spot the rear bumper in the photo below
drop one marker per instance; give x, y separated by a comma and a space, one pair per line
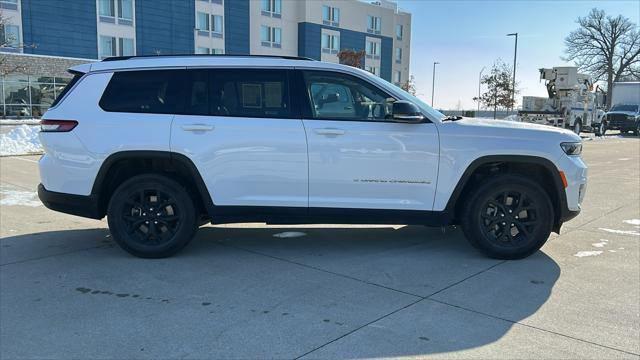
80, 205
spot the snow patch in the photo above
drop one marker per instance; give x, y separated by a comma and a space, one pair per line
19, 121
621, 232
10, 197
632, 222
600, 244
289, 234
587, 253
22, 140
512, 118
624, 159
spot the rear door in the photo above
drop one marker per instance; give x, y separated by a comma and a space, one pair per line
243, 134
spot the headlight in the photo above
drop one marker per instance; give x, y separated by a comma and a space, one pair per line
631, 117
572, 148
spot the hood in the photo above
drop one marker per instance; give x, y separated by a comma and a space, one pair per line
630, 113
515, 129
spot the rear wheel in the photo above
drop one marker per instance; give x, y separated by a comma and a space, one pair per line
508, 217
152, 216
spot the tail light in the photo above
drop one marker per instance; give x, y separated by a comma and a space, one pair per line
57, 125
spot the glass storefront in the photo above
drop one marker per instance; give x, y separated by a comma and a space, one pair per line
27, 95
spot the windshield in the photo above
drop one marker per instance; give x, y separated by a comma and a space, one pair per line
429, 111
632, 108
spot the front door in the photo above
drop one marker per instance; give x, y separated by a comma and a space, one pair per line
358, 156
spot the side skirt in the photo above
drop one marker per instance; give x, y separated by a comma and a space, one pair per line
297, 216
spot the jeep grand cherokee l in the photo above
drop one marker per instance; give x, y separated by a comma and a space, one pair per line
163, 144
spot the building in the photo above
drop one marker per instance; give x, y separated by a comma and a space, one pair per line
48, 36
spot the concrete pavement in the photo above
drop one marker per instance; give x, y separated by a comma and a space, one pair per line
337, 291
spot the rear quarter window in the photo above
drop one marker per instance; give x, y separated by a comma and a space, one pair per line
145, 91
66, 89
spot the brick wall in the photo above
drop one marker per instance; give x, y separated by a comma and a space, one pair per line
37, 65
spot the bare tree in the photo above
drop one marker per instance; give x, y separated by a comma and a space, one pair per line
7, 41
351, 57
499, 87
409, 85
606, 47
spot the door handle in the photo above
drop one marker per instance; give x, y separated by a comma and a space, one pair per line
329, 131
197, 127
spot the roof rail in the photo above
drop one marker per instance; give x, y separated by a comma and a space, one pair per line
116, 58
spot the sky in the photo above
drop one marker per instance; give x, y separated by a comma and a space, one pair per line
464, 36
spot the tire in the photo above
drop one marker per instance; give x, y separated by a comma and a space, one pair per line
483, 220
601, 129
577, 126
636, 132
137, 224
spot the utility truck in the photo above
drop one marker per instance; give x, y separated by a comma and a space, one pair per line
571, 103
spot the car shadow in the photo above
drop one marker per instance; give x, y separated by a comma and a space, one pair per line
454, 287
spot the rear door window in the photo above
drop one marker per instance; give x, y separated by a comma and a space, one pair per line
239, 93
145, 91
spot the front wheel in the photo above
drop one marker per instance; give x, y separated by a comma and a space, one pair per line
601, 129
508, 217
152, 216
636, 131
577, 126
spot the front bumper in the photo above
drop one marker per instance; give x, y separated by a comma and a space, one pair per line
80, 205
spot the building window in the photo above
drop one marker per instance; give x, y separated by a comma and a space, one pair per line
373, 69
11, 36
330, 43
271, 8
9, 4
107, 46
29, 95
271, 36
125, 12
126, 47
202, 50
202, 23
372, 49
216, 25
373, 24
398, 55
107, 11
330, 15
399, 31
217, 51
397, 77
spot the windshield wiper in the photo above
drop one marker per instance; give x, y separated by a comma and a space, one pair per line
452, 118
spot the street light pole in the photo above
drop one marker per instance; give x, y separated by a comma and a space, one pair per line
515, 55
433, 83
479, 81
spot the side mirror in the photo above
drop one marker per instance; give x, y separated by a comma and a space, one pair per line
406, 112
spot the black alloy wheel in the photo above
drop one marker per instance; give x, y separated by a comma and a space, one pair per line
507, 216
152, 216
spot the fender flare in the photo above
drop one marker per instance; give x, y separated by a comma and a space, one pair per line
172, 157
562, 209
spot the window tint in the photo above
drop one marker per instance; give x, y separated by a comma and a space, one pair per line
148, 91
240, 93
344, 97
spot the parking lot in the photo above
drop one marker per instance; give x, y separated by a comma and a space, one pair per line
324, 291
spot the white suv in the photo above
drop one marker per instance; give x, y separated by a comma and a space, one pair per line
163, 144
